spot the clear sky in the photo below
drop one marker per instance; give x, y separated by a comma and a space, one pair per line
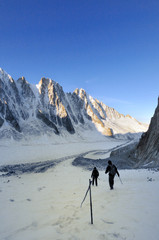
108, 47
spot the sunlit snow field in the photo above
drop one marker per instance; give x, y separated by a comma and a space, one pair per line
38, 206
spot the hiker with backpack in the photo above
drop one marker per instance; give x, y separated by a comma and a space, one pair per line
94, 176
112, 170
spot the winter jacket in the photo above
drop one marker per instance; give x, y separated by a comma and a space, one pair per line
95, 173
112, 169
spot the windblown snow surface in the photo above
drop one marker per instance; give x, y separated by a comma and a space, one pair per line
44, 203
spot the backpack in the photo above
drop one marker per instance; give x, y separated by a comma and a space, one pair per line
113, 170
95, 173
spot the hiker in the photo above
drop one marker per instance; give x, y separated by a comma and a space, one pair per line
94, 176
112, 169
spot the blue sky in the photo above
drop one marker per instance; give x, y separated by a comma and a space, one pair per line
108, 47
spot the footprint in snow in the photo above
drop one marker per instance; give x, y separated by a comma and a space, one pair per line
41, 188
108, 222
28, 199
150, 179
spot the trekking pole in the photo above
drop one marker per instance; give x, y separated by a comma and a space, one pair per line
120, 180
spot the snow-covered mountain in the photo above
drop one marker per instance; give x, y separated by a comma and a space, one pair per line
27, 110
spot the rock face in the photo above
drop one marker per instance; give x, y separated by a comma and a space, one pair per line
143, 153
46, 109
147, 151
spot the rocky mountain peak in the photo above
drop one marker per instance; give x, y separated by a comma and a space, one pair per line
1, 72
5, 76
25, 89
47, 109
43, 84
81, 93
76, 91
22, 79
128, 116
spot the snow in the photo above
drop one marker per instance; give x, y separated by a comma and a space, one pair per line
45, 148
38, 206
126, 125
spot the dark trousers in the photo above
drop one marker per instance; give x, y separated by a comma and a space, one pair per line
111, 181
94, 179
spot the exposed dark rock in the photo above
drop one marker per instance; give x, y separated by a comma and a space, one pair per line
11, 119
124, 156
72, 116
53, 119
148, 147
2, 108
50, 124
145, 153
1, 121
80, 118
66, 122
89, 164
59, 121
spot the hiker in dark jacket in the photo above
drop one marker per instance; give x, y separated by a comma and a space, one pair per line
112, 169
94, 176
